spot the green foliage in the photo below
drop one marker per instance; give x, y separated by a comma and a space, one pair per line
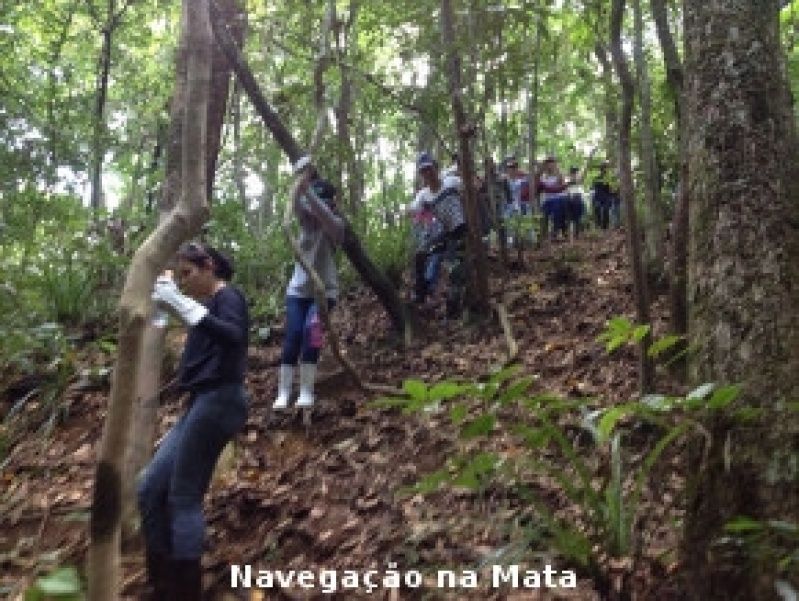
62, 584
605, 479
769, 542
620, 331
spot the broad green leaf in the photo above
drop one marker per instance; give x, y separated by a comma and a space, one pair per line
742, 525
640, 332
533, 437
416, 389
748, 414
458, 413
664, 344
609, 419
444, 391
504, 374
388, 402
480, 426
516, 390
428, 484
467, 479
723, 396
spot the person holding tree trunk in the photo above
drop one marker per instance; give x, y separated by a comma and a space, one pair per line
211, 370
321, 229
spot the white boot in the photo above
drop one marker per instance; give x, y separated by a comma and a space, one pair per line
285, 378
307, 380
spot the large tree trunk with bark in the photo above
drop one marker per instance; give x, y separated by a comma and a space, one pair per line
135, 308
645, 370
744, 288
351, 245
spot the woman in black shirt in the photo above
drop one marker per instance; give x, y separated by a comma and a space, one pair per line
211, 370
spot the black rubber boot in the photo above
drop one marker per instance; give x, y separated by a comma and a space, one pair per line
185, 580
157, 573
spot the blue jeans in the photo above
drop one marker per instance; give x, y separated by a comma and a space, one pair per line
173, 485
296, 341
602, 210
554, 209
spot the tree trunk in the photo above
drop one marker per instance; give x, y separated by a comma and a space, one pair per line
744, 297
678, 280
322, 61
232, 13
98, 135
475, 247
344, 113
148, 378
53, 128
645, 371
151, 354
611, 110
532, 109
238, 159
374, 278
135, 308
654, 232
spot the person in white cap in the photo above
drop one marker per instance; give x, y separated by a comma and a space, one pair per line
321, 229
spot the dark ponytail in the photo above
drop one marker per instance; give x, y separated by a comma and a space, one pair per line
201, 254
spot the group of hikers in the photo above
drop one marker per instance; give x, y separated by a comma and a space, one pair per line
212, 367
504, 199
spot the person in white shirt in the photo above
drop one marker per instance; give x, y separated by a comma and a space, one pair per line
574, 204
443, 197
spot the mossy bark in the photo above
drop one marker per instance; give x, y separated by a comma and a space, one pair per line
743, 285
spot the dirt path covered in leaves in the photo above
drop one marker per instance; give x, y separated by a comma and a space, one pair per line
336, 496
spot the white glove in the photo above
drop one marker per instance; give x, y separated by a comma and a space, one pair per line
189, 310
301, 164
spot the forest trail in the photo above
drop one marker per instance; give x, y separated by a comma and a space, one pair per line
328, 498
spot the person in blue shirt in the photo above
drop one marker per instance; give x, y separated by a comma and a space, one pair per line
211, 370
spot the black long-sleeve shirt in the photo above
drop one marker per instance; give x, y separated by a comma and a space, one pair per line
216, 348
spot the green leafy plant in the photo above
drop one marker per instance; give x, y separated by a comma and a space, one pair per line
605, 479
620, 331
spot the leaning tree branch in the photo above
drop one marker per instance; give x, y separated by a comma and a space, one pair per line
372, 79
351, 245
